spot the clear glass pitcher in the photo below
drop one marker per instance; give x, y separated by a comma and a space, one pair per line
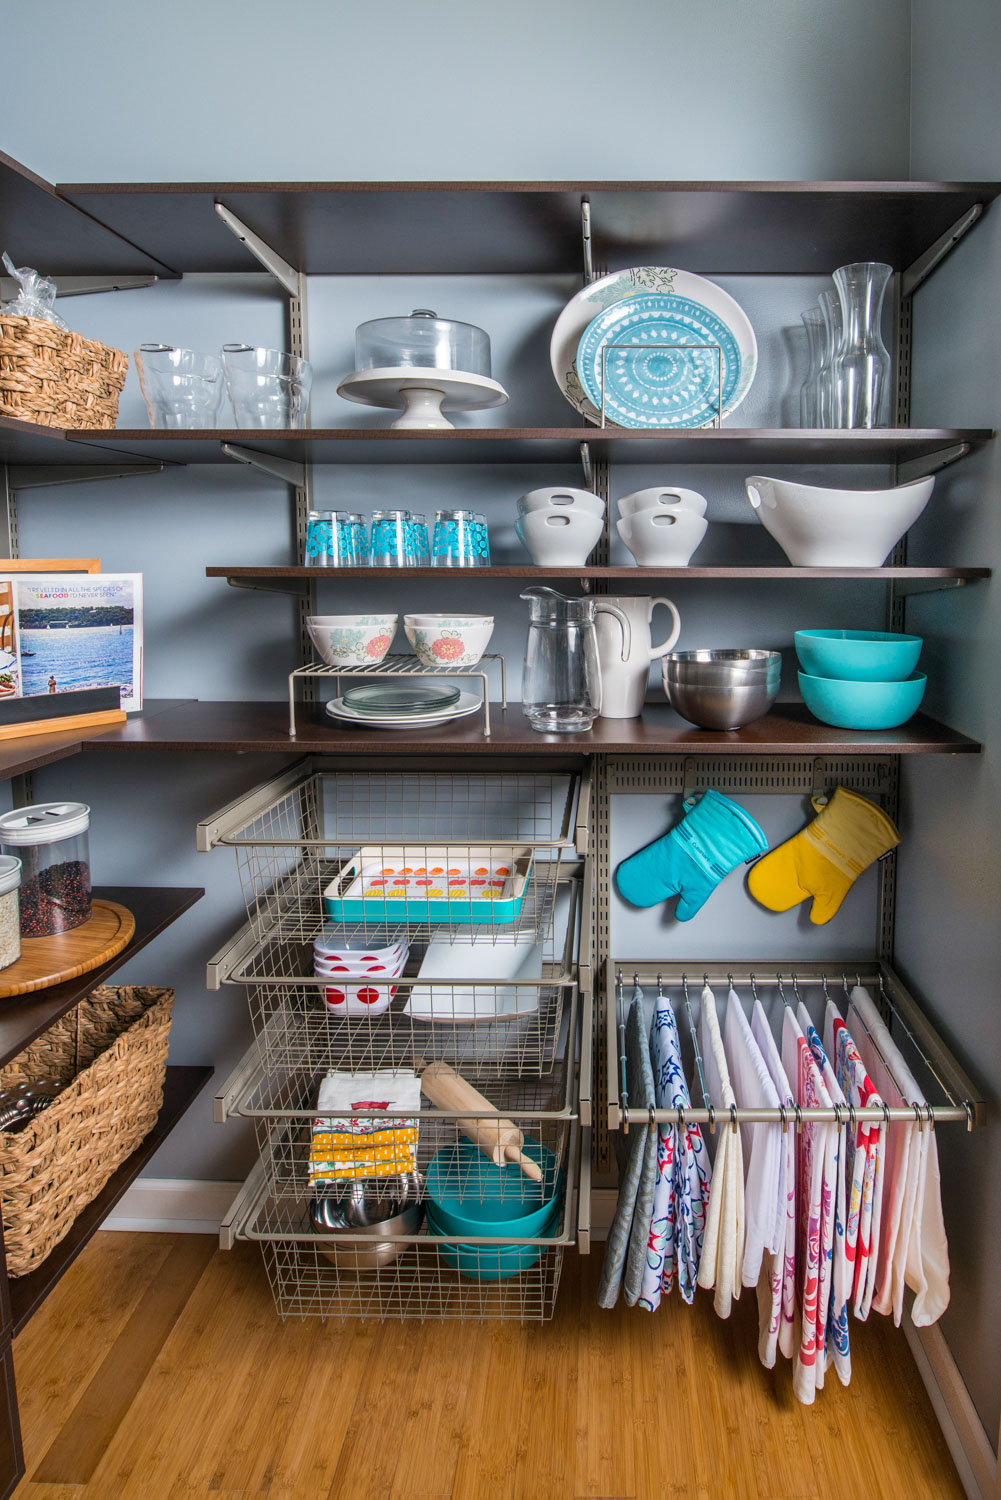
561, 686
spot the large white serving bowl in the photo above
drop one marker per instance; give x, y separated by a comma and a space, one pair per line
561, 499
559, 539
821, 528
352, 640
662, 497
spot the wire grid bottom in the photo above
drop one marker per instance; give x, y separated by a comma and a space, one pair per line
419, 1285
285, 1148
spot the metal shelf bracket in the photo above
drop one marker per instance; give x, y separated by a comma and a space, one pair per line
931, 463
269, 259
83, 286
285, 469
34, 476
921, 269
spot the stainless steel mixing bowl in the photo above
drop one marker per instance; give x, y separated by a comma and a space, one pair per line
721, 689
366, 1217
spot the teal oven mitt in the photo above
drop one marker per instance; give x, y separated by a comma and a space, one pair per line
691, 860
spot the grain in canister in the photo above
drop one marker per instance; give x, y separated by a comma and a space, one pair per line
51, 841
10, 928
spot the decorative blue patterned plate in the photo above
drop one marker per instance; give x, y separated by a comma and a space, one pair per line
691, 368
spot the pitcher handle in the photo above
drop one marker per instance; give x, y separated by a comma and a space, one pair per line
601, 608
665, 646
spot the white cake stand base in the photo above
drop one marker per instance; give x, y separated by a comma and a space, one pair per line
423, 395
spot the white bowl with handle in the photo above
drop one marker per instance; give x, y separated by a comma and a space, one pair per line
564, 499
559, 539
822, 528
662, 497
663, 538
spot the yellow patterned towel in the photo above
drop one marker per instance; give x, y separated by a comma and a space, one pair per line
346, 1144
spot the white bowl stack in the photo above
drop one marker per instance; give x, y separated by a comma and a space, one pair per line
662, 527
360, 978
559, 527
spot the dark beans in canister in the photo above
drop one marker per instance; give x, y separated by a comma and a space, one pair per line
57, 899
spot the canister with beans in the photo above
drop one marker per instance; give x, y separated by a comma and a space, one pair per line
50, 839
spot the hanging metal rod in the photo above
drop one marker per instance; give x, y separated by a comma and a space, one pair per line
933, 257
285, 469
269, 259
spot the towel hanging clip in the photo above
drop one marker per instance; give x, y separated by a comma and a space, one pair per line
931, 1116
782, 1117
827, 993
681, 1117
969, 1115
917, 1115
851, 1119
795, 990
660, 986
733, 1118
886, 1116
799, 1119
837, 1116
754, 987
712, 1119
782, 993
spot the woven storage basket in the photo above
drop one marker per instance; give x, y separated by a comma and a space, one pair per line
111, 1053
52, 376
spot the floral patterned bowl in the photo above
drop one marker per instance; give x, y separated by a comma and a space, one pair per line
445, 641
352, 640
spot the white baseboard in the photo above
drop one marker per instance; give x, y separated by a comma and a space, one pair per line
957, 1416
175, 1205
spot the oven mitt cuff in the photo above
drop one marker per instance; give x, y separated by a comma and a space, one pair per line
825, 858
691, 860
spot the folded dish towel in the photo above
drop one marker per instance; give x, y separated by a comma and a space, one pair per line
345, 1145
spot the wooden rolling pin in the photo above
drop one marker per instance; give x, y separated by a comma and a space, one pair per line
498, 1138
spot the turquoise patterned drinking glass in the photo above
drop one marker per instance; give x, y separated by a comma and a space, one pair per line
420, 545
354, 529
460, 540
328, 540
392, 543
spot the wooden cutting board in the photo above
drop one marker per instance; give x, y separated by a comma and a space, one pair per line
50, 960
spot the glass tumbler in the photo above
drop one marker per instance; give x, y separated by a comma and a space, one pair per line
181, 387
481, 542
392, 541
453, 545
354, 536
330, 541
267, 388
421, 546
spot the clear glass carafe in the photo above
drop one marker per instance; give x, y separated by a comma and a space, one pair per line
561, 685
830, 311
809, 396
860, 374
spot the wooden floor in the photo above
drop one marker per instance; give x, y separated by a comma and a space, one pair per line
158, 1370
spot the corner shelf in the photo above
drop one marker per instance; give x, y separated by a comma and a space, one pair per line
538, 445
277, 578
263, 728
181, 1085
25, 1017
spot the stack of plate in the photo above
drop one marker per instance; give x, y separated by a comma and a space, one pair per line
652, 346
403, 705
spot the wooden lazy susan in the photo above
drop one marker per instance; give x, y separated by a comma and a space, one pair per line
50, 960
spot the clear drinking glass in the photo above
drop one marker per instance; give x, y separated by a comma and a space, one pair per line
454, 539
860, 372
354, 528
809, 396
830, 311
392, 543
181, 387
330, 540
267, 388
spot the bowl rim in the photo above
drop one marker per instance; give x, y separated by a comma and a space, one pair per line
328, 621
862, 682
470, 622
862, 637
722, 656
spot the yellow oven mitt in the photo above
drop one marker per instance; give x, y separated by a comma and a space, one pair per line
825, 858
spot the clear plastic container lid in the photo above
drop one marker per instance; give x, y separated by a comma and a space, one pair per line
10, 873
424, 341
44, 823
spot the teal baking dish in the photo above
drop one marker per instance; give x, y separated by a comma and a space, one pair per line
431, 883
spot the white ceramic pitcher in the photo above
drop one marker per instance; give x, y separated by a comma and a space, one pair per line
624, 678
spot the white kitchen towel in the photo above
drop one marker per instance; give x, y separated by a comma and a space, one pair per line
723, 1251
867, 1144
762, 1143
811, 1150
777, 1287
926, 1266
837, 1342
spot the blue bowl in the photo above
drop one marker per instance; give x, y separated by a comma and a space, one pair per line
492, 1262
862, 705
858, 655
469, 1195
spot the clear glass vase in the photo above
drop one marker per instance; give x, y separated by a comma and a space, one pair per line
809, 396
860, 374
830, 313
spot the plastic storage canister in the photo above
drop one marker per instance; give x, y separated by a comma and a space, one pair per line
50, 839
10, 931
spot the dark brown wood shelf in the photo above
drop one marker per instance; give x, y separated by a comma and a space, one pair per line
263, 727
181, 1086
24, 1017
414, 228
31, 443
298, 579
47, 231
538, 445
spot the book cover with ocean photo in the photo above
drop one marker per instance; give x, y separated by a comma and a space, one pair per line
81, 630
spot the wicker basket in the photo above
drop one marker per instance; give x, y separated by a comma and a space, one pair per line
111, 1053
56, 378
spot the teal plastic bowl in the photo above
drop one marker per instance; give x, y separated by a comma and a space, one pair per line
858, 655
862, 705
469, 1195
492, 1262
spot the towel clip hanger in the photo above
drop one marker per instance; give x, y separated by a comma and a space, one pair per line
969, 1115
931, 1116
778, 981
851, 1119
660, 986
799, 1119
782, 1117
886, 1116
754, 987
917, 1115
795, 990
712, 1119
733, 1118
837, 1116
681, 1116
827, 993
